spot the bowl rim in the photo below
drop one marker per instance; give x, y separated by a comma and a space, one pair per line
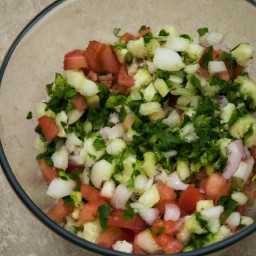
42, 216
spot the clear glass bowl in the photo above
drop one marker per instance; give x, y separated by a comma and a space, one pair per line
37, 54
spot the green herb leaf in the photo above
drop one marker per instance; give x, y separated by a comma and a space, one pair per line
229, 205
99, 144
119, 46
69, 176
115, 100
202, 31
147, 37
128, 58
128, 214
116, 31
163, 33
29, 115
73, 230
160, 231
68, 200
104, 211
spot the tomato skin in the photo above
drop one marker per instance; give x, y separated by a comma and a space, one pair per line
166, 227
79, 102
89, 211
110, 236
189, 199
217, 186
60, 211
169, 244
116, 219
123, 79
144, 31
167, 195
49, 173
49, 127
126, 37
75, 60
101, 58
90, 193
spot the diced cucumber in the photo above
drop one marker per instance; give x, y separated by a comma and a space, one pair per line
93, 101
161, 87
142, 78
251, 140
172, 119
92, 231
204, 204
194, 226
149, 164
60, 119
239, 197
176, 79
149, 92
177, 44
40, 111
246, 221
150, 197
137, 48
183, 169
242, 53
74, 115
223, 145
241, 126
151, 46
149, 108
191, 68
87, 126
116, 146
187, 133
120, 54
226, 112
195, 51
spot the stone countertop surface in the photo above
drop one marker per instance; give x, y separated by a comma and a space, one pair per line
21, 233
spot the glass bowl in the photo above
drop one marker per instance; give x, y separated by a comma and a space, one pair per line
37, 53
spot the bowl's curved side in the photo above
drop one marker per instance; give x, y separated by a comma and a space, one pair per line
26, 193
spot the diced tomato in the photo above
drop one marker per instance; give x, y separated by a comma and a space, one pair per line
90, 193
60, 211
237, 71
123, 79
166, 227
72, 168
75, 60
169, 244
137, 250
91, 54
250, 191
107, 60
189, 199
118, 89
89, 211
215, 56
110, 236
116, 219
241, 209
144, 31
49, 127
253, 152
79, 102
92, 75
126, 37
217, 186
224, 75
101, 58
167, 195
49, 173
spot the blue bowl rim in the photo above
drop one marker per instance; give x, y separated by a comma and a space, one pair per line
44, 218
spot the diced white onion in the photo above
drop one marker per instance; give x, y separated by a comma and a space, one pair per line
101, 171
172, 212
170, 153
167, 59
239, 197
123, 246
147, 243
149, 215
60, 158
108, 189
111, 133
113, 118
233, 220
245, 169
216, 66
59, 188
213, 212
72, 141
120, 197
74, 115
174, 181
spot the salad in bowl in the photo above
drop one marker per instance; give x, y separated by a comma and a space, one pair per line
148, 144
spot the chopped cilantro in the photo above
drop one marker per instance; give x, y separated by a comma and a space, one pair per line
147, 37
160, 231
116, 31
73, 230
29, 115
119, 46
99, 143
128, 58
187, 37
202, 31
229, 206
115, 100
163, 33
69, 176
128, 214
68, 200
104, 211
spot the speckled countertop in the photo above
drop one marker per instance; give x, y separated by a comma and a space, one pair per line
21, 233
